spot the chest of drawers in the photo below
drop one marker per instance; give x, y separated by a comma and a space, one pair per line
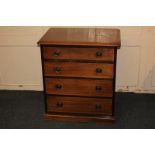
79, 66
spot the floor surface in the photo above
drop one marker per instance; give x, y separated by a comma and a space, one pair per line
24, 110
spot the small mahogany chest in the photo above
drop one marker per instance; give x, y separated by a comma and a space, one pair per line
79, 66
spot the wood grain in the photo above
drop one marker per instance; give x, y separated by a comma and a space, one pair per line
79, 118
79, 53
79, 87
81, 37
77, 69
79, 105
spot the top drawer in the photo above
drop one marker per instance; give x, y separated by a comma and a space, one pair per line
79, 53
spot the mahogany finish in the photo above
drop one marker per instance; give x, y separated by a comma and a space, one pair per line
80, 53
79, 118
79, 69
79, 105
79, 87
76, 69
82, 37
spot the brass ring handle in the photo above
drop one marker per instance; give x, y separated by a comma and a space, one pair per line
98, 54
98, 88
98, 70
57, 69
58, 86
56, 53
59, 104
98, 106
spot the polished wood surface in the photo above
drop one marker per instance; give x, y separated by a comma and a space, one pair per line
79, 87
81, 36
79, 69
79, 53
79, 118
76, 69
79, 105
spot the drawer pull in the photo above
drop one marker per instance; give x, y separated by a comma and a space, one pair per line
98, 70
59, 104
56, 53
98, 54
57, 69
58, 86
98, 88
98, 106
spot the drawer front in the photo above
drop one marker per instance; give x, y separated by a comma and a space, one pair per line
79, 87
76, 69
80, 53
79, 105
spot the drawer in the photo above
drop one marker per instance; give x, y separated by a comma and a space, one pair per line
77, 69
79, 87
79, 105
80, 53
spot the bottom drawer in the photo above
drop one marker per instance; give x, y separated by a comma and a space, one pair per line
79, 105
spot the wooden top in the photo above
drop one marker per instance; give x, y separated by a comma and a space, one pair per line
82, 37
